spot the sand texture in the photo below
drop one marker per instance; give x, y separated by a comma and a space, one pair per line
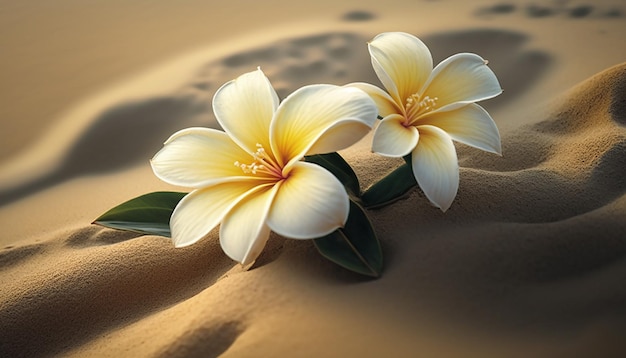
529, 261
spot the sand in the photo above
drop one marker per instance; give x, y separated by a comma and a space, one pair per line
529, 261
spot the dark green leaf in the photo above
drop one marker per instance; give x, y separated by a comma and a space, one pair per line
407, 159
354, 247
390, 188
334, 163
146, 214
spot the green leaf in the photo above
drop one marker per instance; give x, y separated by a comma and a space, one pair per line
408, 159
146, 214
354, 247
334, 163
390, 188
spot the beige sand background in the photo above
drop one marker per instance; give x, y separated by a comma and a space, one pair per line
528, 262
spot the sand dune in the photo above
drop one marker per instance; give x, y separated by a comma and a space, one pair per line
529, 261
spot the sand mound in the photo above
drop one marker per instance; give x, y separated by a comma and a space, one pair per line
530, 256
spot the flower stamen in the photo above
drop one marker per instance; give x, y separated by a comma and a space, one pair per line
262, 164
416, 106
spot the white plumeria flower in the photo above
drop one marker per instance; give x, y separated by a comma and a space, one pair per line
251, 177
424, 109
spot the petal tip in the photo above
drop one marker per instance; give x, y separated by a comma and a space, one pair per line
178, 244
247, 265
445, 207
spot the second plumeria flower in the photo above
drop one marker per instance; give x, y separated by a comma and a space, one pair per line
251, 177
424, 109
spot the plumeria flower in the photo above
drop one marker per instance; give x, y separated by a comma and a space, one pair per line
251, 177
424, 109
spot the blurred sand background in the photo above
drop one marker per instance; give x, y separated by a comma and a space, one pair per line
528, 262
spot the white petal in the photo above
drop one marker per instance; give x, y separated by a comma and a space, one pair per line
201, 210
307, 114
244, 231
310, 203
197, 157
339, 136
436, 167
462, 78
470, 124
244, 107
393, 139
385, 104
402, 62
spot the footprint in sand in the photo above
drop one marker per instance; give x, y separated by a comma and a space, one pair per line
130, 133
358, 15
205, 339
551, 9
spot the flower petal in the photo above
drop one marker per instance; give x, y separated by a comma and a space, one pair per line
244, 107
436, 167
339, 136
402, 62
201, 210
460, 79
311, 203
393, 139
197, 157
244, 231
470, 124
386, 105
303, 117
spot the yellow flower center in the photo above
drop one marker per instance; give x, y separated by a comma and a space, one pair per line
262, 164
416, 106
